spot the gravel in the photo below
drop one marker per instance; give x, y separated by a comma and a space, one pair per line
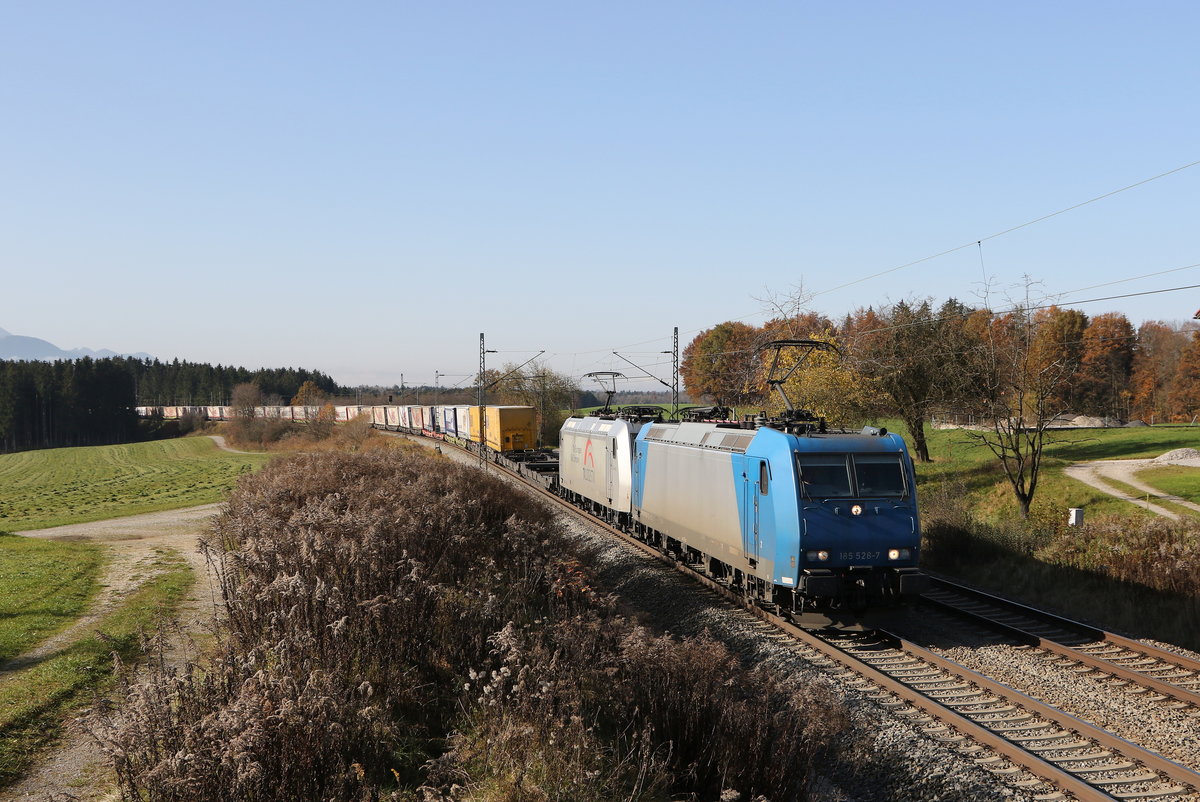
1178, 455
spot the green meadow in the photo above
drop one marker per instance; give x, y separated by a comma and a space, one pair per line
960, 464
1177, 480
40, 489
1111, 570
44, 586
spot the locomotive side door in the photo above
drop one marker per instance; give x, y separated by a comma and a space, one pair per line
610, 457
754, 487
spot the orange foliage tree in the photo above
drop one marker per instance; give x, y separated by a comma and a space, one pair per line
723, 364
1155, 365
1105, 366
1185, 394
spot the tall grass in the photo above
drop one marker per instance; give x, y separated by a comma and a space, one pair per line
402, 627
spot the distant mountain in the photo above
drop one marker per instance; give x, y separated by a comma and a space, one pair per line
17, 346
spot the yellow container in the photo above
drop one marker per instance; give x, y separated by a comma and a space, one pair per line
508, 428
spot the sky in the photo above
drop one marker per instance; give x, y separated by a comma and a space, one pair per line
363, 188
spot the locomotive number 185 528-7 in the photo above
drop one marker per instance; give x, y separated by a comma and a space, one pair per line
859, 555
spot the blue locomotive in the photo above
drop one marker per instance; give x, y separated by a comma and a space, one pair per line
816, 524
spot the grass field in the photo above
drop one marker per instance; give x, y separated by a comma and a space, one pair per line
1145, 498
39, 489
974, 472
1177, 480
1111, 571
44, 586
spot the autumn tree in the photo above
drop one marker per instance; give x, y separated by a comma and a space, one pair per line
799, 326
1155, 365
1058, 339
1185, 393
908, 351
825, 385
309, 395
245, 400
321, 426
1017, 393
1105, 366
722, 363
536, 385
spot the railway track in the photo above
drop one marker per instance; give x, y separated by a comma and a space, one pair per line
1066, 755
1027, 743
1168, 677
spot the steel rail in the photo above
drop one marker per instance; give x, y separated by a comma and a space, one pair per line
1075, 653
1152, 760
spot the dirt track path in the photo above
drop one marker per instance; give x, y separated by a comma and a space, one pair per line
1125, 470
77, 767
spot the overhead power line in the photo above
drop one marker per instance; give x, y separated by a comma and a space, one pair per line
979, 241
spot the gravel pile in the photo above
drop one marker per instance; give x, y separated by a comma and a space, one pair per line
886, 756
1178, 455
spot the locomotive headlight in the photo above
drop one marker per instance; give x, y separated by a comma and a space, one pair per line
816, 556
856, 509
899, 554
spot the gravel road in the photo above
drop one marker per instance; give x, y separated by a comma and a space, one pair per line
1125, 470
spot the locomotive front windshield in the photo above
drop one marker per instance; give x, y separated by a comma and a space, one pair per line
851, 476
879, 475
825, 475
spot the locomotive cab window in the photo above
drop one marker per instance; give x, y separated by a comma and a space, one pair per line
824, 475
764, 478
879, 475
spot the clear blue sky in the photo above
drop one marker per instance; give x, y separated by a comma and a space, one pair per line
363, 187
